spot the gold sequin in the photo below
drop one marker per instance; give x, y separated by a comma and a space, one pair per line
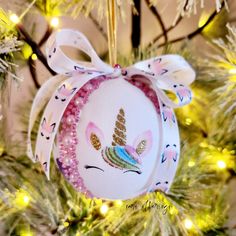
95, 141
141, 147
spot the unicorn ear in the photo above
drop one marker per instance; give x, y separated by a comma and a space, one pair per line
94, 136
143, 143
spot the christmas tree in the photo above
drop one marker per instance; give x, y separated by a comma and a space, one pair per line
199, 201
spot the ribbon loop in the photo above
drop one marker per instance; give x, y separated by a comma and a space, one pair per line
62, 64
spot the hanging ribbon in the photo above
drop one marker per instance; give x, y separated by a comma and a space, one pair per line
165, 73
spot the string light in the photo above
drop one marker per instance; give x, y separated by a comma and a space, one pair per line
104, 209
25, 232
221, 164
14, 18
188, 224
188, 121
34, 57
54, 22
232, 71
118, 203
66, 224
191, 163
22, 199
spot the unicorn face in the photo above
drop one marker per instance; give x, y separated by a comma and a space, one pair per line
118, 139
119, 155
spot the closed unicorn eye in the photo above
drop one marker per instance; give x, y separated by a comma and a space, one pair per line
93, 167
135, 171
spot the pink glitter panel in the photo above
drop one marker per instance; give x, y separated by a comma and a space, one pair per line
67, 160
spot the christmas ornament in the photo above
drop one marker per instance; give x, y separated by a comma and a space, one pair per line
112, 131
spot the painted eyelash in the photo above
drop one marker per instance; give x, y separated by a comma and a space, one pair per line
95, 167
136, 171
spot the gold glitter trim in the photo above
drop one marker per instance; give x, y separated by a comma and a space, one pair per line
120, 118
95, 141
119, 135
118, 140
120, 126
141, 147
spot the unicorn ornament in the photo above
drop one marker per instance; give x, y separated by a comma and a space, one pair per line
112, 130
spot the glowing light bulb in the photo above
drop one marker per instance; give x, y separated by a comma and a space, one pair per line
22, 199
66, 224
26, 233
54, 22
104, 209
26, 199
188, 224
14, 18
191, 163
221, 164
188, 121
34, 57
232, 71
118, 203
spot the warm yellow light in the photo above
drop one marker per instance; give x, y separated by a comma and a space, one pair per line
173, 210
26, 199
188, 224
203, 144
232, 71
191, 163
66, 224
26, 233
188, 121
22, 199
221, 164
54, 22
34, 57
14, 18
118, 203
104, 209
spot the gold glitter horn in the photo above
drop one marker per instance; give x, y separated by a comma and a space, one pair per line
119, 135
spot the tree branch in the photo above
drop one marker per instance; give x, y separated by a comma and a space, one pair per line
198, 30
46, 36
96, 23
32, 68
159, 18
167, 31
136, 26
34, 47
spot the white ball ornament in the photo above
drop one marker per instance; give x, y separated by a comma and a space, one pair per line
113, 132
